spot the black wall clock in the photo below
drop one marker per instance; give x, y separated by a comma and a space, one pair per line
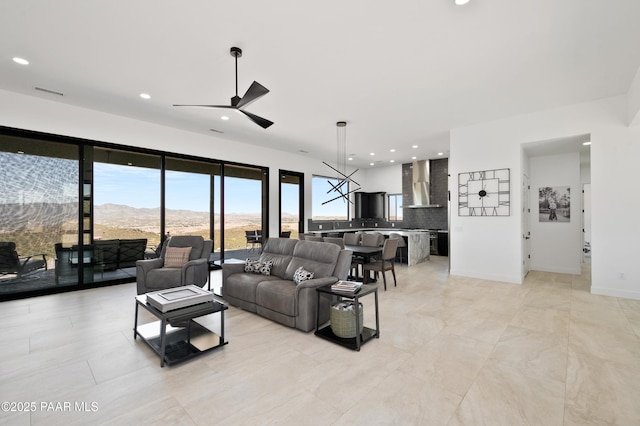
485, 193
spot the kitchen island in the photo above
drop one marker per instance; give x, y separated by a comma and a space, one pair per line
418, 242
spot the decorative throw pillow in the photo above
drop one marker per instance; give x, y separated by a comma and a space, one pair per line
250, 265
302, 274
176, 257
258, 267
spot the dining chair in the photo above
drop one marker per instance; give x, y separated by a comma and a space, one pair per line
351, 239
386, 262
252, 239
372, 239
334, 240
401, 243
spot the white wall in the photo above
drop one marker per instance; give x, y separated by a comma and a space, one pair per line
633, 103
38, 114
488, 247
556, 246
387, 179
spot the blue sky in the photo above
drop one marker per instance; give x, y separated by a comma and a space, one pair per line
140, 187
337, 208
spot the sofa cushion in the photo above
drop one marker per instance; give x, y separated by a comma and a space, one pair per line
279, 251
301, 275
162, 278
316, 257
278, 295
243, 286
176, 257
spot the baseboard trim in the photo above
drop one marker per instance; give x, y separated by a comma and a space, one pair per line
624, 294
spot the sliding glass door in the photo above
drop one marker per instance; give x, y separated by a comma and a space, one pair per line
126, 211
76, 213
192, 199
39, 201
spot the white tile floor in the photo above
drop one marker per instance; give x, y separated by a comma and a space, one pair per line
452, 351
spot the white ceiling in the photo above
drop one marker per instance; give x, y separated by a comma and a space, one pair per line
400, 73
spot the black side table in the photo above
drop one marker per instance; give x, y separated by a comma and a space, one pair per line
360, 338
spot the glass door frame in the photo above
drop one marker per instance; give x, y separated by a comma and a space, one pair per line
300, 176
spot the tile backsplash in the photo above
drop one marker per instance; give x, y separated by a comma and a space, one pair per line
418, 218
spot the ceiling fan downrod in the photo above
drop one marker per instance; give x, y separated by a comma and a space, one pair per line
236, 52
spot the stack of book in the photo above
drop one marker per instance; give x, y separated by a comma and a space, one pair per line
178, 297
346, 287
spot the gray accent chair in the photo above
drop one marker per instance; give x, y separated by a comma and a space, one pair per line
152, 276
276, 296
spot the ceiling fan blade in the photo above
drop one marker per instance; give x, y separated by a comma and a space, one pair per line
208, 106
255, 91
262, 122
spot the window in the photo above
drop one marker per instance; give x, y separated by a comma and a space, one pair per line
291, 195
321, 192
73, 203
395, 207
244, 207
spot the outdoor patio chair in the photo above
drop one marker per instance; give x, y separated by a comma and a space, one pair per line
11, 263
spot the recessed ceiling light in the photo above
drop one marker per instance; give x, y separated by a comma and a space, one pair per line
224, 117
145, 96
372, 153
392, 161
371, 164
20, 61
413, 158
414, 146
461, 2
392, 150
586, 143
350, 158
441, 153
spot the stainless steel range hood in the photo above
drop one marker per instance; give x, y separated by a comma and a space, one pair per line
420, 186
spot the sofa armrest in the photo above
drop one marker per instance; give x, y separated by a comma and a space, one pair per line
229, 269
316, 282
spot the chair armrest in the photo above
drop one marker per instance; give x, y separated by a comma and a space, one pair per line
195, 272
149, 264
194, 262
27, 258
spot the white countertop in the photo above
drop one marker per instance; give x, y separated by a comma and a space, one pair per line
384, 231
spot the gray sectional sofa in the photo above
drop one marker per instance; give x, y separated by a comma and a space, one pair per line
277, 296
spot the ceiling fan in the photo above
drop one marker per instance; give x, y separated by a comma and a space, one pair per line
255, 91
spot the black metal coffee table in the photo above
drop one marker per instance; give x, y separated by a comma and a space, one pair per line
181, 334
